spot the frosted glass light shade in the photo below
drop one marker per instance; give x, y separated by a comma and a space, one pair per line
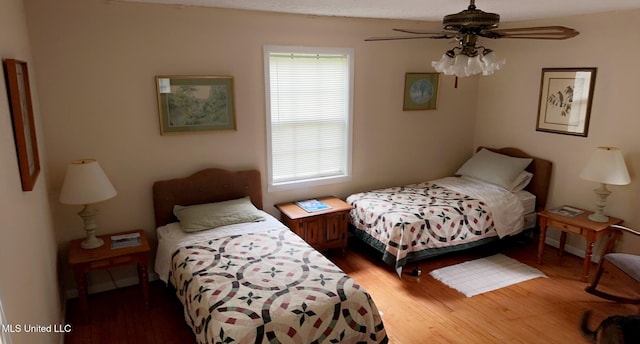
491, 63
606, 166
460, 65
443, 64
86, 183
475, 65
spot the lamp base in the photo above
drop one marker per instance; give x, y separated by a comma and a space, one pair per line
601, 201
91, 242
598, 217
88, 214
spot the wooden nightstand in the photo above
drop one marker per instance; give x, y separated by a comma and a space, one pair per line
578, 224
85, 260
324, 229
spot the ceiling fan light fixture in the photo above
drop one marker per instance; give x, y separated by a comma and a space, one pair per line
461, 64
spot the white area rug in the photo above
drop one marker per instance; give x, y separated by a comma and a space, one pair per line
485, 274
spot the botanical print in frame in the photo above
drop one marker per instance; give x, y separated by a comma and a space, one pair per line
24, 129
195, 103
420, 91
565, 100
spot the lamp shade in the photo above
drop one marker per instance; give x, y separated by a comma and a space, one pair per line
606, 166
86, 183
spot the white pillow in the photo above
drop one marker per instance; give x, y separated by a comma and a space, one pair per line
494, 168
521, 181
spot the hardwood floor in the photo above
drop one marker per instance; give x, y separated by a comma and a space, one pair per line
119, 316
415, 310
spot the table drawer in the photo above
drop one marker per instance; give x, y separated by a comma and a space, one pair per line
564, 227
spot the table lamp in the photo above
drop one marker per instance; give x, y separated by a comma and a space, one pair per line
606, 166
86, 184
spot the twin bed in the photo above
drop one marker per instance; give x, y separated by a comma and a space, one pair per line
251, 280
496, 194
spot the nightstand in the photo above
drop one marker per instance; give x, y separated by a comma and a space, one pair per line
578, 224
104, 257
323, 229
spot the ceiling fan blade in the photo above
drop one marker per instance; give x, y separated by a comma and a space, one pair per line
391, 38
439, 34
538, 32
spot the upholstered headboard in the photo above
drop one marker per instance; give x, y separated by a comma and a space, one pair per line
205, 186
541, 170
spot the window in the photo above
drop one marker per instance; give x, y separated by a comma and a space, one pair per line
309, 110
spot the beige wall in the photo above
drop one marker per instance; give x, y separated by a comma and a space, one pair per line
96, 63
28, 275
508, 105
96, 66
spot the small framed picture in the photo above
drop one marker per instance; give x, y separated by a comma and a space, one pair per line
565, 100
195, 103
420, 91
24, 126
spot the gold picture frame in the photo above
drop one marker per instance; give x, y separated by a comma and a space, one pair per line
420, 91
564, 106
24, 126
195, 103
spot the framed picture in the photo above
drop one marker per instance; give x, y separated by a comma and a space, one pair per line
565, 100
420, 91
24, 128
195, 103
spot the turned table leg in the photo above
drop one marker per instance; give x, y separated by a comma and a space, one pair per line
543, 233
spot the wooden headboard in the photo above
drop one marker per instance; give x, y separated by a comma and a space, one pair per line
205, 186
541, 170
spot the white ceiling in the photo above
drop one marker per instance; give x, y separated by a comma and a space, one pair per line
430, 10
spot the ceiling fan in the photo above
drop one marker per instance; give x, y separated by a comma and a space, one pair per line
465, 27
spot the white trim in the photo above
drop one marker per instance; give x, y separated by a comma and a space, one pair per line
110, 285
576, 251
350, 54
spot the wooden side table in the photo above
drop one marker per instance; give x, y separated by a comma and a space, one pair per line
324, 229
578, 224
85, 260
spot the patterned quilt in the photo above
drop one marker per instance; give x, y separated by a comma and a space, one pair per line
417, 220
270, 287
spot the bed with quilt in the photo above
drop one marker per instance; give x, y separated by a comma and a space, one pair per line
243, 277
495, 194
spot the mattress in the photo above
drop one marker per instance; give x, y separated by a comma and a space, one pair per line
528, 201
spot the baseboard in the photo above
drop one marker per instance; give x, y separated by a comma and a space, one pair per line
572, 249
110, 285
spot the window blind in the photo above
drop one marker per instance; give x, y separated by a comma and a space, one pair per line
309, 115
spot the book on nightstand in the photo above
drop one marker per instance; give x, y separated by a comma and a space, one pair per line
566, 210
125, 240
312, 205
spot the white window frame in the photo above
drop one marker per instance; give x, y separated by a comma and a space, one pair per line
304, 183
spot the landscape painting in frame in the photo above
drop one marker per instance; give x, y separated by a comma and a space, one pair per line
565, 100
195, 103
420, 91
24, 125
